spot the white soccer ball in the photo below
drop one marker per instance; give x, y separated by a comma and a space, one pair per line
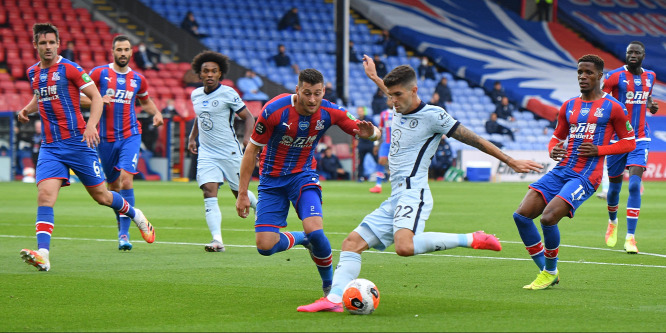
360, 297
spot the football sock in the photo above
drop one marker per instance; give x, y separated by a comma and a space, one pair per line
380, 172
121, 205
633, 203
613, 199
551, 238
214, 218
286, 242
604, 180
531, 238
322, 256
44, 227
438, 241
124, 221
349, 267
253, 199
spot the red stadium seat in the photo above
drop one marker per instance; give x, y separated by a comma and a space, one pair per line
342, 150
8, 87
23, 86
254, 107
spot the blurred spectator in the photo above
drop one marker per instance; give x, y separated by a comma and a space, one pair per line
390, 45
443, 90
364, 147
379, 101
250, 86
505, 110
426, 70
68, 53
330, 94
353, 54
191, 25
290, 20
145, 58
441, 161
492, 127
497, 93
149, 132
191, 79
380, 66
542, 10
330, 167
169, 110
281, 59
436, 100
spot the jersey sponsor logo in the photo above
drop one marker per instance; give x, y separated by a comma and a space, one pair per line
584, 111
35, 92
298, 142
582, 131
303, 125
204, 103
639, 97
55, 76
121, 80
120, 96
637, 81
237, 99
287, 125
205, 121
320, 125
110, 92
260, 128
86, 78
47, 93
629, 128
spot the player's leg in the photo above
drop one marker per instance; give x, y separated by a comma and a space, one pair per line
213, 216
308, 207
603, 192
124, 185
231, 175
272, 210
121, 180
48, 190
633, 207
616, 165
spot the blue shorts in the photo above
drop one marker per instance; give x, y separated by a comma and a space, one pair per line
301, 189
384, 149
119, 155
56, 158
566, 184
637, 157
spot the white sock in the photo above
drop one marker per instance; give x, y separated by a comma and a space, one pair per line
349, 267
437, 241
214, 218
253, 199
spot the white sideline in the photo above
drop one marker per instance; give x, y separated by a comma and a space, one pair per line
392, 253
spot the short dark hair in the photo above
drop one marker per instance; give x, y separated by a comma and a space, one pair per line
311, 76
401, 75
43, 29
211, 56
595, 59
120, 38
637, 43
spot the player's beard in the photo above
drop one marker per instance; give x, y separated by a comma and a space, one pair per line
120, 62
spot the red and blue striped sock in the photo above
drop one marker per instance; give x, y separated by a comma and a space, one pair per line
531, 238
286, 242
322, 255
124, 222
613, 198
44, 227
551, 239
121, 205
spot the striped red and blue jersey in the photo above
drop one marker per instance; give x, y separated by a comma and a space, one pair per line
633, 91
58, 95
289, 139
590, 121
385, 119
118, 120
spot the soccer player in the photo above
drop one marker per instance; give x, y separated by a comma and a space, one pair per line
67, 141
119, 130
219, 152
586, 123
631, 85
417, 128
385, 119
288, 130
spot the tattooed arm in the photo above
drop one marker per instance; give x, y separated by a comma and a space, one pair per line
464, 135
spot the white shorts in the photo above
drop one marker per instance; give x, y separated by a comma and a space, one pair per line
219, 170
408, 209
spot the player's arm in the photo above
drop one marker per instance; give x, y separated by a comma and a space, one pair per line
29, 109
464, 135
625, 133
556, 145
246, 168
90, 135
149, 106
371, 73
192, 140
249, 124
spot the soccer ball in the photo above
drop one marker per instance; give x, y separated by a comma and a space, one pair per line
360, 297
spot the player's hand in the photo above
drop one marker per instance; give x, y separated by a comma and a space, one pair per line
158, 120
558, 152
523, 166
192, 147
23, 116
588, 149
106, 99
91, 137
242, 205
369, 66
365, 129
654, 107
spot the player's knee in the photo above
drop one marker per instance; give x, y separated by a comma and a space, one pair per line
264, 252
404, 249
635, 185
548, 218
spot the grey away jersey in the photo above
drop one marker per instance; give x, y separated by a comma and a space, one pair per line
215, 119
414, 140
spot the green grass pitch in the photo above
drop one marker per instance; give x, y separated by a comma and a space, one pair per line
173, 285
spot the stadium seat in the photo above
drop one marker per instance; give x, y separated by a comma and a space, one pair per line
254, 107
342, 150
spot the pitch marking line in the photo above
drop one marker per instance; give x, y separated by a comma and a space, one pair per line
390, 253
